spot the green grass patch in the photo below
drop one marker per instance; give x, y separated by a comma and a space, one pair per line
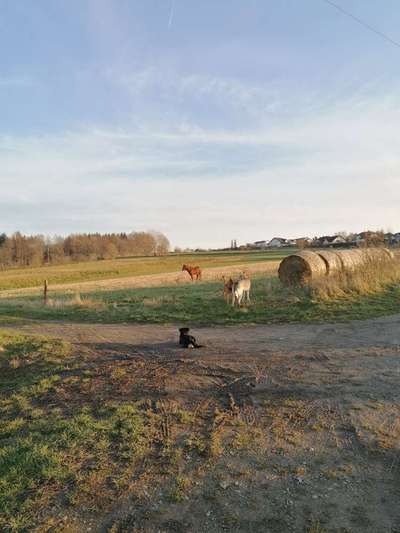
47, 449
203, 304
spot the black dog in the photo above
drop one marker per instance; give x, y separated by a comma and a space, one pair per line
186, 340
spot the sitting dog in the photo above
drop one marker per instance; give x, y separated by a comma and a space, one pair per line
186, 340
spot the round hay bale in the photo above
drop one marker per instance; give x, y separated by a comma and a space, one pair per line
378, 254
353, 259
332, 261
350, 259
300, 268
388, 253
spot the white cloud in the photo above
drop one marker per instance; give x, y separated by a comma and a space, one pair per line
309, 174
176, 88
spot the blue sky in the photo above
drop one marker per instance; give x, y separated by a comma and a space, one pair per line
206, 120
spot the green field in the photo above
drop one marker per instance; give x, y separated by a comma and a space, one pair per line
45, 449
202, 304
126, 267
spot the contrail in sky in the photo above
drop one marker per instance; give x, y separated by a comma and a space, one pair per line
171, 15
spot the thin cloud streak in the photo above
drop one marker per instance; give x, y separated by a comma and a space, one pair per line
171, 15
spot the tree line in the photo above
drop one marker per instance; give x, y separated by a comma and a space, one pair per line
20, 250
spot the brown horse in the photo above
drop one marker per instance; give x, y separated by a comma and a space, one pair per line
193, 271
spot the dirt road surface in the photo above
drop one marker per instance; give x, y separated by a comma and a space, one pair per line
383, 331
326, 398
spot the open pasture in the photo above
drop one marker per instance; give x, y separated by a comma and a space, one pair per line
204, 304
128, 267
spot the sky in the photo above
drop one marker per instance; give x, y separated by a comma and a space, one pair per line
208, 121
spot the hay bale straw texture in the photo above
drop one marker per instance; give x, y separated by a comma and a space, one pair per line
351, 259
332, 261
300, 268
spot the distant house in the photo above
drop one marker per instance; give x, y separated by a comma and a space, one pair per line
396, 238
389, 238
369, 238
260, 244
362, 237
303, 242
333, 240
277, 242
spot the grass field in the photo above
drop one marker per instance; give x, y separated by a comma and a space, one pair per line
45, 447
203, 304
293, 429
126, 267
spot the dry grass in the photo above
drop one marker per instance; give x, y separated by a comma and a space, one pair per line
373, 276
84, 302
134, 271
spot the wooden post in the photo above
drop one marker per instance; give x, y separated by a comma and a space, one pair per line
45, 292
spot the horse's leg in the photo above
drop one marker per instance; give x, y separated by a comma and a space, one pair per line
242, 297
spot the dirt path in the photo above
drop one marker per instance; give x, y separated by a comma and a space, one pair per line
151, 280
383, 331
321, 401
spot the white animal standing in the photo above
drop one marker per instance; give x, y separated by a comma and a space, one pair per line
241, 291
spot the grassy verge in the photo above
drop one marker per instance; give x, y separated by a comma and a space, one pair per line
53, 452
125, 267
203, 304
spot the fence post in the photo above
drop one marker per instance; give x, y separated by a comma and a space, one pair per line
45, 292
